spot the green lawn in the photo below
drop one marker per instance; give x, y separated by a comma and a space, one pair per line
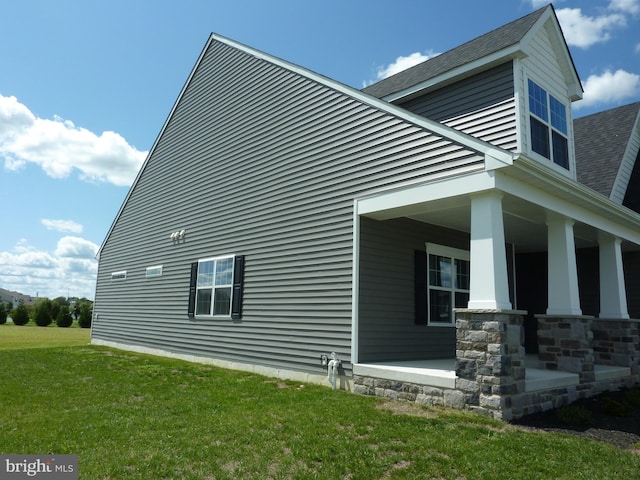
131, 416
31, 336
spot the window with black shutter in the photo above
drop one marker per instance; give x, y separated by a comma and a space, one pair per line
216, 287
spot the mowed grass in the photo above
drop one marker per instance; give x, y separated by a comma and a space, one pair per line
31, 336
130, 416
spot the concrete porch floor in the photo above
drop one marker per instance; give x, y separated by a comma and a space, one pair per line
441, 373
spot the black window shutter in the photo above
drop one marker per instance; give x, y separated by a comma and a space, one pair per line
192, 290
420, 269
238, 281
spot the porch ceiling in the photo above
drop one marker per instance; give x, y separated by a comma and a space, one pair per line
532, 194
524, 222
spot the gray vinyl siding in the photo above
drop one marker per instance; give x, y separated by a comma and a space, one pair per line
257, 160
482, 106
387, 328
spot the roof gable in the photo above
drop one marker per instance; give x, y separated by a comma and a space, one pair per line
506, 42
603, 148
204, 80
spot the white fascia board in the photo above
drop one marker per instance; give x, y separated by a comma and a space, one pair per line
514, 51
561, 195
621, 182
468, 141
383, 206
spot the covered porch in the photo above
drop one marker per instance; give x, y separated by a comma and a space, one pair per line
506, 219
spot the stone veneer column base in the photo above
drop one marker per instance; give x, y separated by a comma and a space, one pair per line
490, 367
490, 370
565, 343
617, 342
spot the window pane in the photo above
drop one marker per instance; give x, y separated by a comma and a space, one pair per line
539, 138
560, 150
462, 299
558, 115
462, 274
205, 274
203, 302
538, 101
439, 306
439, 271
222, 301
224, 271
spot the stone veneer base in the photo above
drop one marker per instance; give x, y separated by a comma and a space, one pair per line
490, 371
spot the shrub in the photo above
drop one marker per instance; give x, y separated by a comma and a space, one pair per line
616, 408
20, 315
42, 316
575, 415
3, 314
64, 318
85, 316
632, 397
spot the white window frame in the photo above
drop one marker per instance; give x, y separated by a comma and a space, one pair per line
153, 272
119, 276
206, 286
549, 124
453, 254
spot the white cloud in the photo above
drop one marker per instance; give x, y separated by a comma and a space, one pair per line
582, 31
637, 48
76, 247
59, 147
62, 225
70, 269
609, 87
631, 7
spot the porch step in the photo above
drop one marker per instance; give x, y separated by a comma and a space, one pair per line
436, 373
610, 372
540, 379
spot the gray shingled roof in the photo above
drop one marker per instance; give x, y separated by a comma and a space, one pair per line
601, 140
489, 43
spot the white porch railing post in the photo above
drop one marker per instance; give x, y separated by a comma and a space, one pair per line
489, 284
564, 295
613, 295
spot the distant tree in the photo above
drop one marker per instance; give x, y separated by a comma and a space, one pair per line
3, 314
9, 306
56, 304
86, 312
20, 315
64, 318
42, 313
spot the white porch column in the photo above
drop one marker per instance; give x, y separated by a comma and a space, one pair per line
564, 295
613, 295
489, 284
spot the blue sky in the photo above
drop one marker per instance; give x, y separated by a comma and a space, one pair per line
85, 88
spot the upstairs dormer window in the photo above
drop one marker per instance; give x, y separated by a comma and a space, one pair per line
548, 118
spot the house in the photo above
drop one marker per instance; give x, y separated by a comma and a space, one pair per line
16, 298
428, 230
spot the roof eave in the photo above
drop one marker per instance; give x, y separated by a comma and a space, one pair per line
512, 52
561, 185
